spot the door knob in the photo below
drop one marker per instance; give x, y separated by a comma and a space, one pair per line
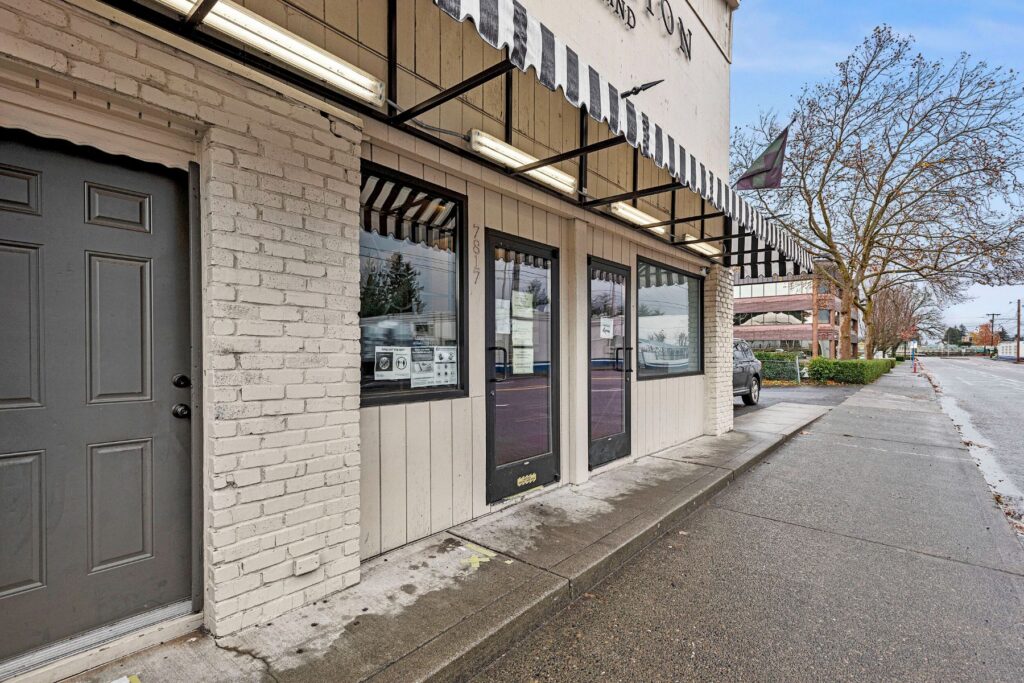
181, 381
181, 411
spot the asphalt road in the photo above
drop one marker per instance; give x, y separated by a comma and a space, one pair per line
986, 398
804, 393
866, 548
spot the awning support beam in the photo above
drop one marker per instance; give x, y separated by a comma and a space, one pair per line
688, 219
451, 93
199, 12
637, 194
719, 238
572, 154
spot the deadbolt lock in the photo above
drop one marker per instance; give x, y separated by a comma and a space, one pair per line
181, 381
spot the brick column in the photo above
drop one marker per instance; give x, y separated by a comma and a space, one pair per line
718, 320
282, 357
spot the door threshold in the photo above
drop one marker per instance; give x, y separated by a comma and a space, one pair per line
65, 649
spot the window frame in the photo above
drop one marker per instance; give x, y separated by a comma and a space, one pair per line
422, 395
640, 377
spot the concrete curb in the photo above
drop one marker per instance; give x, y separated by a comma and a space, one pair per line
463, 651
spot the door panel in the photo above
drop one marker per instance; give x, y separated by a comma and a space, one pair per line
739, 369
610, 362
95, 472
522, 357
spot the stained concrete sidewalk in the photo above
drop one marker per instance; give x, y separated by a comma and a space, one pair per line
447, 605
869, 547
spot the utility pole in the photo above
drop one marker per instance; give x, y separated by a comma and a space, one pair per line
991, 329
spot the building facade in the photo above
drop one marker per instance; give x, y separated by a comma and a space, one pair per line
289, 285
784, 313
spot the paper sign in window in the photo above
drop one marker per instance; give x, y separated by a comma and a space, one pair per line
522, 304
502, 316
522, 361
522, 332
392, 362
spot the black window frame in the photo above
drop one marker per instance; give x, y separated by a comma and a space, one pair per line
636, 320
424, 394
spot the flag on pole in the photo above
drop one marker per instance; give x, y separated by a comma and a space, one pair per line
766, 171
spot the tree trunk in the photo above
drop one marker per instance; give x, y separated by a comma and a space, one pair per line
869, 326
845, 309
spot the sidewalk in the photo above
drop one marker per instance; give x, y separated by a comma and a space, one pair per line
445, 606
867, 548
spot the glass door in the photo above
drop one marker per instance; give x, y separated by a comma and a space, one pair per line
610, 362
522, 366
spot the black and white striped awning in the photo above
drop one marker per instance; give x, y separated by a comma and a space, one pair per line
649, 275
506, 23
406, 213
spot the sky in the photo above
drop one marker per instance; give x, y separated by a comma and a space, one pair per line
779, 45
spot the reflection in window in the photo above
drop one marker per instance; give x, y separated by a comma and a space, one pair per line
669, 323
409, 287
772, 318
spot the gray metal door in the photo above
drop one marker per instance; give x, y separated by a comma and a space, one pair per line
94, 324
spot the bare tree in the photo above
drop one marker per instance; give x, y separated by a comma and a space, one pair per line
901, 170
904, 312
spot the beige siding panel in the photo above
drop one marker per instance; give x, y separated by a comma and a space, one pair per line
509, 215
418, 485
524, 215
462, 460
478, 258
479, 456
441, 465
555, 227
369, 482
492, 210
392, 477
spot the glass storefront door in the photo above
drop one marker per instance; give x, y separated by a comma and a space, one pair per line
522, 366
610, 362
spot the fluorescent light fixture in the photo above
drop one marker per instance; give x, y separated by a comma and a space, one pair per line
703, 247
628, 212
507, 155
267, 37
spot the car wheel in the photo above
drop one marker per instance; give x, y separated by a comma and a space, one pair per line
754, 395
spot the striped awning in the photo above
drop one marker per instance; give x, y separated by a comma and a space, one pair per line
396, 210
506, 23
649, 275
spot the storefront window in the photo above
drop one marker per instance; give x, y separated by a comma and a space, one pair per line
772, 318
410, 276
669, 322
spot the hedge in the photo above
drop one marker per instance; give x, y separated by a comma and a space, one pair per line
849, 371
776, 365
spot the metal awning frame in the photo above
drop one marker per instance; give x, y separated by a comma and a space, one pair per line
402, 119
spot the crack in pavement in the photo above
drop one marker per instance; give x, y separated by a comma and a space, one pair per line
246, 652
867, 540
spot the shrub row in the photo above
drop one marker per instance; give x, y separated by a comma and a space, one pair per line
776, 365
849, 371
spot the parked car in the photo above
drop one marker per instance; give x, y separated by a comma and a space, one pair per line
746, 373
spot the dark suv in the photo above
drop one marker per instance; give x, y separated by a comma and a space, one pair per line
746, 373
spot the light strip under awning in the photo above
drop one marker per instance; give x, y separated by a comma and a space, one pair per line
507, 24
255, 31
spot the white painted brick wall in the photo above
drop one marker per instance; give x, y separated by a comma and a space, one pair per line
280, 260
718, 292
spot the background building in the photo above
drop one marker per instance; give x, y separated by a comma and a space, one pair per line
784, 313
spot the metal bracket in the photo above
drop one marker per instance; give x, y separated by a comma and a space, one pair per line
451, 93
